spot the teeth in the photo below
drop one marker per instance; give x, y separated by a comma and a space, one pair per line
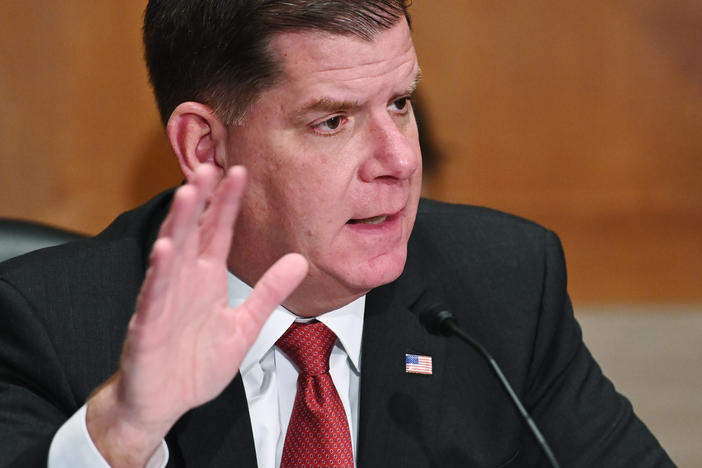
373, 220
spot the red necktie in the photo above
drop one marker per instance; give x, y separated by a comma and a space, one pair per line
318, 433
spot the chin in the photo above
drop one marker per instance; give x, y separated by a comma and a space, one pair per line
370, 274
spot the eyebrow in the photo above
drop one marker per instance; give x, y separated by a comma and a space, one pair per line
332, 105
328, 105
413, 86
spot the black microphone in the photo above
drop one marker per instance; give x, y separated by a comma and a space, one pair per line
440, 321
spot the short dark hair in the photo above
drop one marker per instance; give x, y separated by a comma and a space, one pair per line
218, 52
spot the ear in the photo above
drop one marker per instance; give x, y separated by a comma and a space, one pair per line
197, 136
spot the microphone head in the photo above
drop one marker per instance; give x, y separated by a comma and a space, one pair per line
436, 318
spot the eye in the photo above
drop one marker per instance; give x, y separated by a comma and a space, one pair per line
329, 126
400, 105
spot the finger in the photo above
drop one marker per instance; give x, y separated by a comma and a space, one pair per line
186, 235
153, 294
180, 223
276, 284
186, 199
180, 213
205, 179
183, 220
219, 218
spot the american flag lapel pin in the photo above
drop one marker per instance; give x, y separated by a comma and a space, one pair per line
417, 364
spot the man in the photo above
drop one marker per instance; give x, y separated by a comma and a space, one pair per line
292, 124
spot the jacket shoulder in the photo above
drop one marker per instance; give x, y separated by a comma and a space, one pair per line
496, 262
132, 231
478, 230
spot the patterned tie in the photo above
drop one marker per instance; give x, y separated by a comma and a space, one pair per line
318, 433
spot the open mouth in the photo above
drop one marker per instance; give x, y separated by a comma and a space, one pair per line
373, 220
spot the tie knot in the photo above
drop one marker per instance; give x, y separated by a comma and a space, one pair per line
308, 345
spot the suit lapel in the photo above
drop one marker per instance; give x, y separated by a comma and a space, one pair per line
218, 434
397, 409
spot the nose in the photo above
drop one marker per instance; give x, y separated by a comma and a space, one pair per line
394, 150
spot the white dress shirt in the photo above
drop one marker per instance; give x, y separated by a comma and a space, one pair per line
270, 378
270, 382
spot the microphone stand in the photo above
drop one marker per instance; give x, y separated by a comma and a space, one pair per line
438, 320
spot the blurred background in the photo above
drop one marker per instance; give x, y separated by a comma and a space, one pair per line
584, 116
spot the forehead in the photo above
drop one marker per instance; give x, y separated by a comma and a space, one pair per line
313, 59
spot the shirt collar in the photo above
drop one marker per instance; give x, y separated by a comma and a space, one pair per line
346, 322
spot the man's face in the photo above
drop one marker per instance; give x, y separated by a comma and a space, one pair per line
334, 165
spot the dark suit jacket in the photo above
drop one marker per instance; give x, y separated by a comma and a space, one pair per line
64, 311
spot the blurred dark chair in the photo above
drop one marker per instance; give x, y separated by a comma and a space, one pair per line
18, 237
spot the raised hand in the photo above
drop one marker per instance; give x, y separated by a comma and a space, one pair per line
184, 344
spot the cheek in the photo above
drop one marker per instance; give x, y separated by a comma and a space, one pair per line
315, 184
304, 189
